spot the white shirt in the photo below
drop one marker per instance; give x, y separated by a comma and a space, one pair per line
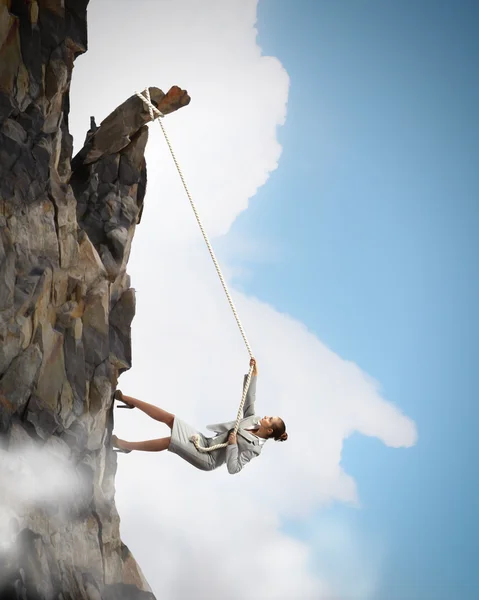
261, 440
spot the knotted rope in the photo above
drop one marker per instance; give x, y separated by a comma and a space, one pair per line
154, 114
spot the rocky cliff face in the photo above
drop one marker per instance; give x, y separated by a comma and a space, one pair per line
66, 305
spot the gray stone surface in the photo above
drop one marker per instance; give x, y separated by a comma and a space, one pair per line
66, 307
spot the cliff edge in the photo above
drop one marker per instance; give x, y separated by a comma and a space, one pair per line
66, 306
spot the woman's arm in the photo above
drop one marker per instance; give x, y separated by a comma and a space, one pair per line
236, 460
248, 409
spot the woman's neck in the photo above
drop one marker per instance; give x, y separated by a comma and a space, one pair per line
260, 432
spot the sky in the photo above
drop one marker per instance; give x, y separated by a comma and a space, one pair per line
331, 149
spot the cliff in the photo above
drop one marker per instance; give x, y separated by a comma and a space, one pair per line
66, 306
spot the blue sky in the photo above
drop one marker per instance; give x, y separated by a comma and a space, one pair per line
373, 210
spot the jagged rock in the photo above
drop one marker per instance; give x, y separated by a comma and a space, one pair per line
66, 307
17, 382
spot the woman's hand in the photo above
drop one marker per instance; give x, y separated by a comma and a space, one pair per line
232, 438
252, 363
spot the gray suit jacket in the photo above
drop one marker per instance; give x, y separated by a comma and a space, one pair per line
247, 444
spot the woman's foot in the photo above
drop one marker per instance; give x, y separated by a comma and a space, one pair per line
116, 443
119, 396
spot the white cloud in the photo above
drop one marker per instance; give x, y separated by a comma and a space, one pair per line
210, 534
35, 476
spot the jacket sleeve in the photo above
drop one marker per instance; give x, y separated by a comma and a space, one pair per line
236, 460
248, 409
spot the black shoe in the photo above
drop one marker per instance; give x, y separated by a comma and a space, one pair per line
119, 396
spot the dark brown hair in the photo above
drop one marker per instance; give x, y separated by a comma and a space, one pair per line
279, 431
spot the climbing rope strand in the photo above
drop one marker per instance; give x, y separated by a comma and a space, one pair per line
208, 245
154, 113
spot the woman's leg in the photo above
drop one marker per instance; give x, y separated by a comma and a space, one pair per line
151, 410
147, 446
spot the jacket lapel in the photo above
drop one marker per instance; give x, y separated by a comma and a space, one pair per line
247, 435
244, 423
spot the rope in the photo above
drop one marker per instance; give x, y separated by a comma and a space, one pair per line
154, 114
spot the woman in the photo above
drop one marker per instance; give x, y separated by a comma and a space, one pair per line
252, 434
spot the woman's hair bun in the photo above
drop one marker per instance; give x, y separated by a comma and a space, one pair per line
279, 431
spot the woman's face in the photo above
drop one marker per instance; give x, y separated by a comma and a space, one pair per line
268, 422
